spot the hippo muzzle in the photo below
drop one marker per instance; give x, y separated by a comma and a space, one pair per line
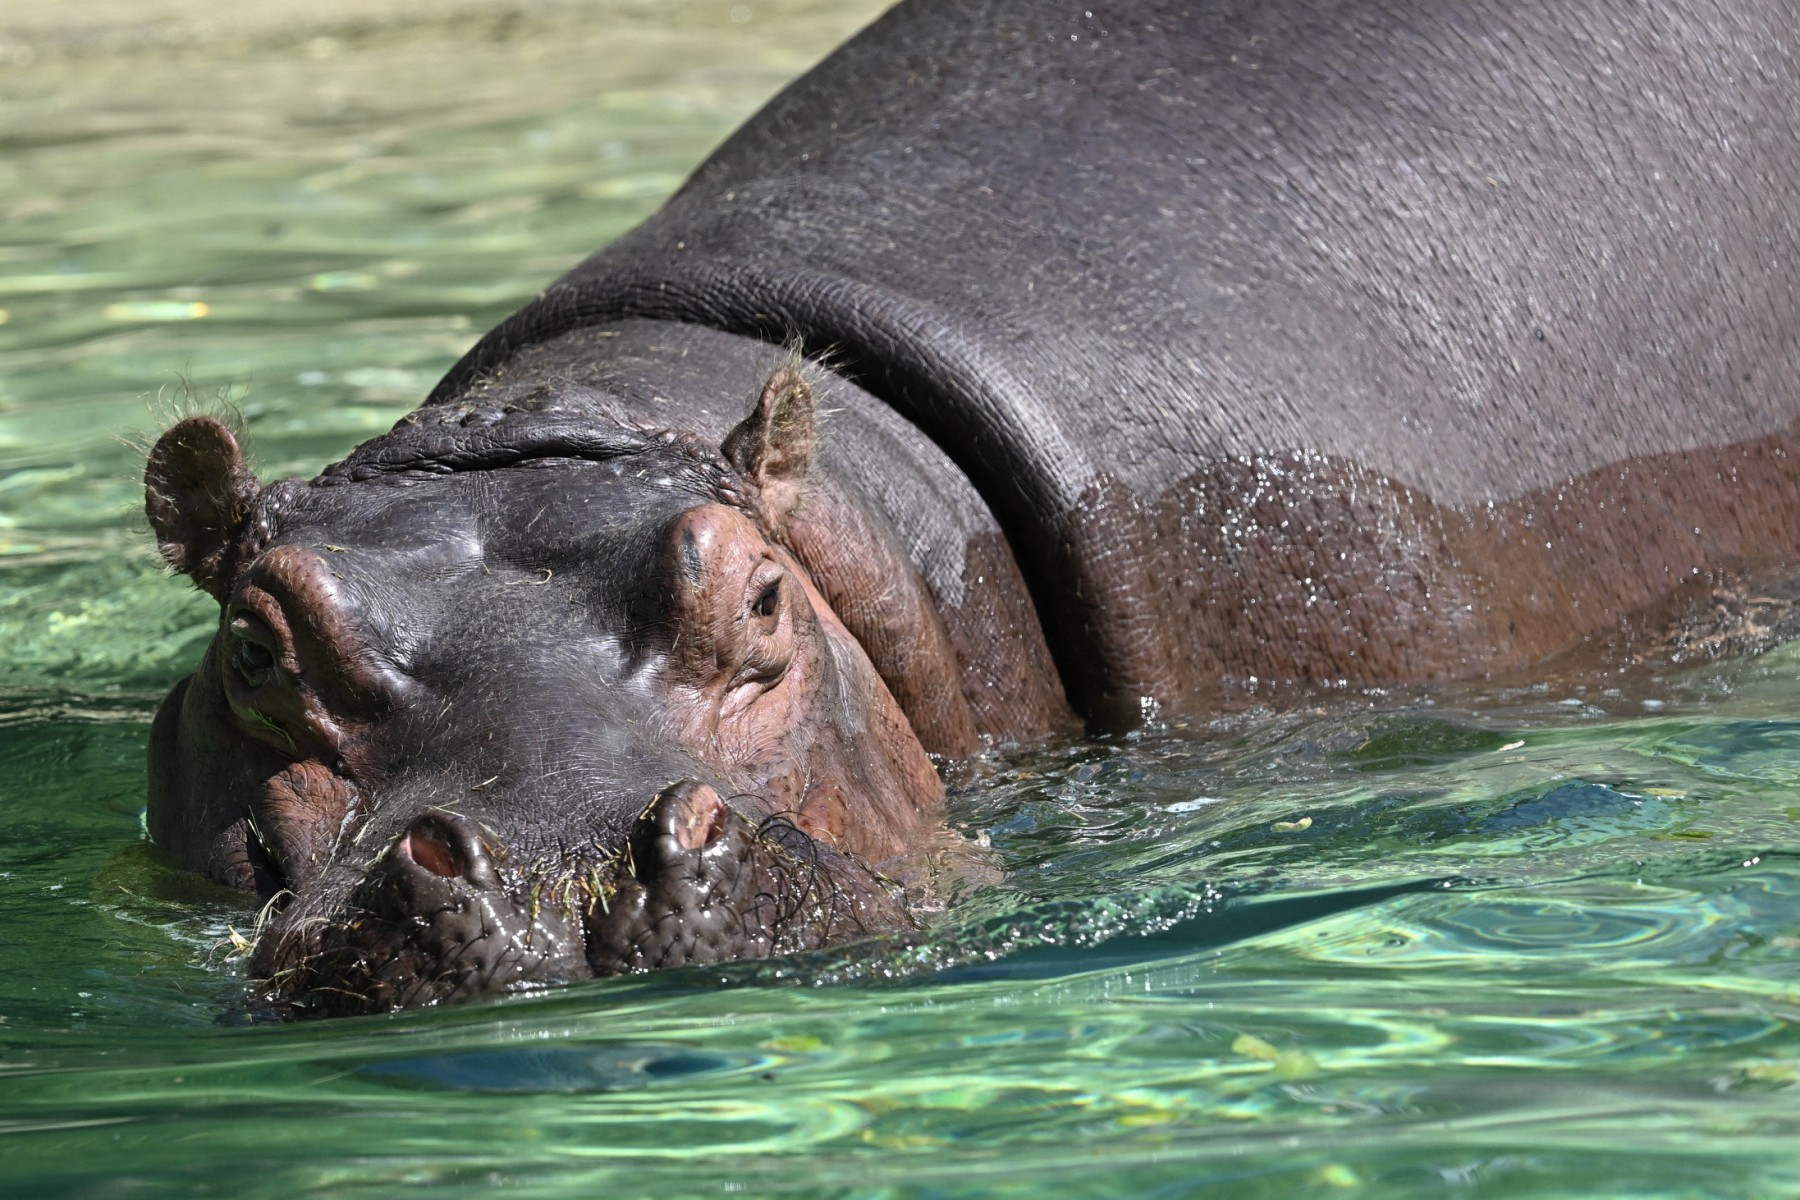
446, 913
516, 696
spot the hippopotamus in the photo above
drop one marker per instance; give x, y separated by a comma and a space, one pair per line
1024, 367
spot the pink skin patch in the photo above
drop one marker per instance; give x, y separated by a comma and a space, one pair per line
422, 846
701, 817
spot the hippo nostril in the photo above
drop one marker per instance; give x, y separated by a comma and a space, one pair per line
425, 844
449, 846
693, 814
266, 872
683, 819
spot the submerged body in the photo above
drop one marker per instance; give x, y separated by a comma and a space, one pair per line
1166, 349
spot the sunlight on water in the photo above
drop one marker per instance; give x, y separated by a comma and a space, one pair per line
1507, 942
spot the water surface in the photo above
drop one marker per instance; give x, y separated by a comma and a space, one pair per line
1538, 941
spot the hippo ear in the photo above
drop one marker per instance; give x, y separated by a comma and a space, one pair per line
197, 492
774, 445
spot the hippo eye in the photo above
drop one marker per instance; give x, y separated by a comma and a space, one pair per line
254, 661
768, 599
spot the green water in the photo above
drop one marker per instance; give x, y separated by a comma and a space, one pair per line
1514, 943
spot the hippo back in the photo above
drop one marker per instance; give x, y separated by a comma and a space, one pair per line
1317, 340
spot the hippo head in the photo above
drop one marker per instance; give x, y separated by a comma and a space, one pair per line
524, 692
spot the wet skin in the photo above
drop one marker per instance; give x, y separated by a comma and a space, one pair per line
1163, 352
483, 722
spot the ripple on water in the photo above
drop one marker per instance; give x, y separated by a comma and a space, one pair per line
558, 1068
1766, 750
1571, 927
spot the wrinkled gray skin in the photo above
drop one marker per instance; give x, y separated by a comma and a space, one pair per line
1168, 348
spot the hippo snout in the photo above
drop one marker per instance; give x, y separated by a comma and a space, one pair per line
449, 912
703, 884
433, 918
698, 885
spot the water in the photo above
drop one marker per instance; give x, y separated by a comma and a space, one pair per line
1539, 942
